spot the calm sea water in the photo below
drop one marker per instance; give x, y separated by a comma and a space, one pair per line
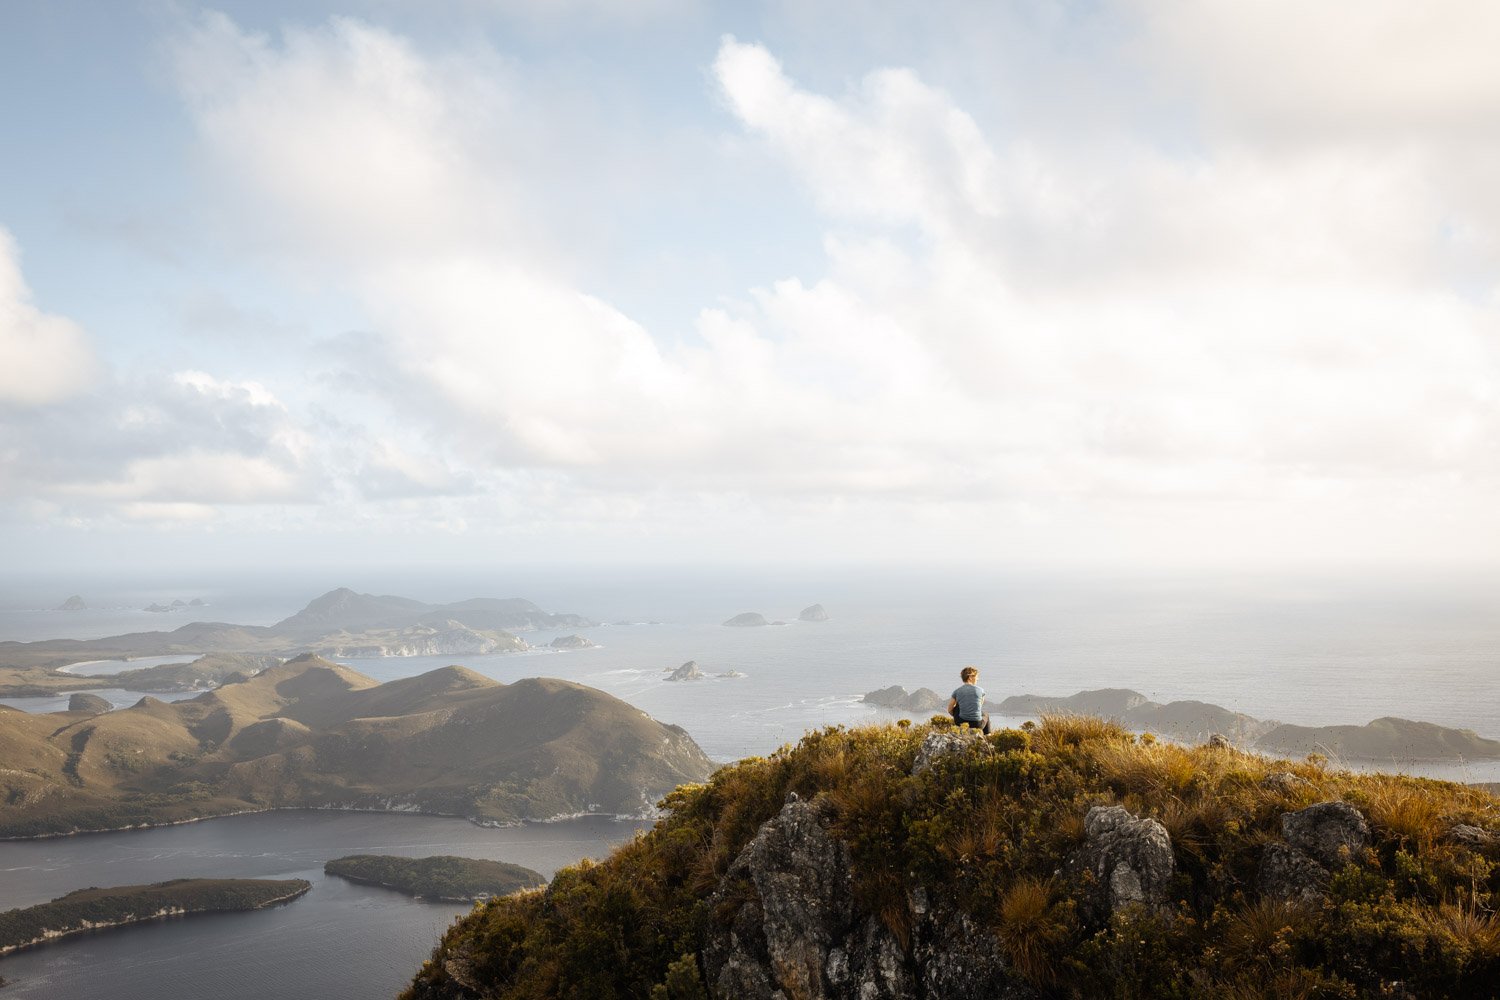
1311, 652
340, 940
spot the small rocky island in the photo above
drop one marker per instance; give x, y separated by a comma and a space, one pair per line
816, 613
442, 877
74, 603
689, 671
573, 642
749, 619
91, 909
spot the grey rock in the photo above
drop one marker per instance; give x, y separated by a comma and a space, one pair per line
1332, 833
1126, 861
941, 742
1289, 875
796, 933
958, 960
780, 941
749, 619
84, 702
687, 672
1285, 782
816, 613
1218, 741
1473, 836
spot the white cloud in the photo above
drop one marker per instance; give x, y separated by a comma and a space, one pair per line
1007, 322
43, 358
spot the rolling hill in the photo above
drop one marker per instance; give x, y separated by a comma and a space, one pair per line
310, 733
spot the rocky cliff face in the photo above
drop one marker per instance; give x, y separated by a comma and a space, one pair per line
796, 931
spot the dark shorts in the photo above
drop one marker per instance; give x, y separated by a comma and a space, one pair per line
983, 724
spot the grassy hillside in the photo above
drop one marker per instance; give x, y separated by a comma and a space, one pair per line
862, 863
310, 733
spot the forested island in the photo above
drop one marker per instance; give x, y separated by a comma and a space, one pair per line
441, 877
94, 908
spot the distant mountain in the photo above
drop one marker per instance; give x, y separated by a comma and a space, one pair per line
338, 623
311, 733
344, 610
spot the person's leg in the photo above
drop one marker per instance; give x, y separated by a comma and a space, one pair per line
986, 723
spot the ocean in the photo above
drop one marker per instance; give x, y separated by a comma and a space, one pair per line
1309, 651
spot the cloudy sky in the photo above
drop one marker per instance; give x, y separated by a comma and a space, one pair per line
1116, 282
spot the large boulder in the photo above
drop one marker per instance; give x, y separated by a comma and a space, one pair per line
1126, 861
1331, 833
941, 742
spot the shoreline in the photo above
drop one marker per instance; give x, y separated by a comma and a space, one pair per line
50, 936
475, 821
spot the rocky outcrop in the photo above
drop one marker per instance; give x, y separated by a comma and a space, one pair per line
74, 603
1126, 861
749, 619
794, 930
689, 671
896, 696
942, 742
1319, 840
1473, 836
1331, 833
572, 642
1288, 875
91, 703
816, 613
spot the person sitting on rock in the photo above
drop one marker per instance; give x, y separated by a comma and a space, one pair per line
967, 704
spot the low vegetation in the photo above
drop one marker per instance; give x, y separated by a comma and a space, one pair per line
1414, 916
440, 877
86, 909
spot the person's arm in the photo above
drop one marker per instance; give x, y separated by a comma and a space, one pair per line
952, 704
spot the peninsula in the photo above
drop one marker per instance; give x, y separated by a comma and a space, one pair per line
339, 623
443, 877
313, 734
93, 909
1384, 739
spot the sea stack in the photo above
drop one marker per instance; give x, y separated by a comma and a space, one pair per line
74, 603
750, 619
816, 613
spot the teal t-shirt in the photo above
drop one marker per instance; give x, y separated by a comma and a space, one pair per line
970, 698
